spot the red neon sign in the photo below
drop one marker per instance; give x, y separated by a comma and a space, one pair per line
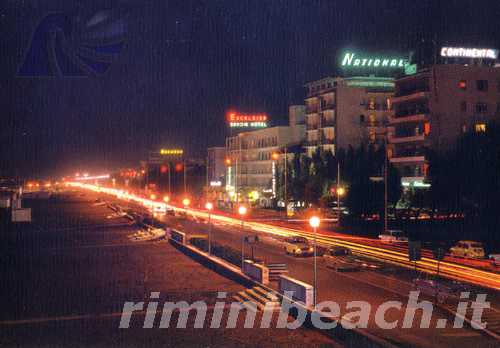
236, 117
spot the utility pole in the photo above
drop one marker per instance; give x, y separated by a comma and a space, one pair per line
286, 179
338, 192
386, 169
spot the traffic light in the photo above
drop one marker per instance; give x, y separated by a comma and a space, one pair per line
163, 169
179, 167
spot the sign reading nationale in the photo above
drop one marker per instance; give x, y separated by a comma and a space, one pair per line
354, 60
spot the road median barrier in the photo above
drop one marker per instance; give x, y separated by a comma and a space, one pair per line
256, 271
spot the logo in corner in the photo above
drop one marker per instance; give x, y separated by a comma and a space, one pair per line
75, 46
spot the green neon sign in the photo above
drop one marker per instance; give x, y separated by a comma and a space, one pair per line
354, 60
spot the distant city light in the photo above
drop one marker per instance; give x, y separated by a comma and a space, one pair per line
171, 152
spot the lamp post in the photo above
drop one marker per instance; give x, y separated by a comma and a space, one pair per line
242, 210
185, 202
314, 221
209, 206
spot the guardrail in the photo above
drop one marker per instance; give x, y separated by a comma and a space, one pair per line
255, 271
178, 236
302, 292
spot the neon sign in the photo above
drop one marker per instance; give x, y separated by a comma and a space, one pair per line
247, 120
461, 52
353, 60
171, 152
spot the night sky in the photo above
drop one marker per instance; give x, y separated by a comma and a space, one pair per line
185, 63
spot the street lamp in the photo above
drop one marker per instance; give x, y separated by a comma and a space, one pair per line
209, 206
285, 198
314, 221
242, 210
340, 193
186, 202
166, 199
152, 196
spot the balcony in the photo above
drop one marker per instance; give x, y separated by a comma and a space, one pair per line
408, 159
328, 106
410, 97
312, 126
396, 139
311, 143
408, 118
312, 109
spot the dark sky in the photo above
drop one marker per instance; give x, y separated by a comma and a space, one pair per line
185, 63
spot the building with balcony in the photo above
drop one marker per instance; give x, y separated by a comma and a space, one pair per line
251, 166
433, 107
346, 111
216, 165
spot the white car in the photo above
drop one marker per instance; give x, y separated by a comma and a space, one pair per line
393, 236
495, 259
468, 248
298, 246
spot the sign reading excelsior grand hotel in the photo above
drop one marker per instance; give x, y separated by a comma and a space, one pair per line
237, 120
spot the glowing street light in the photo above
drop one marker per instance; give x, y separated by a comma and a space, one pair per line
242, 210
152, 196
314, 221
166, 199
275, 156
340, 191
209, 206
186, 202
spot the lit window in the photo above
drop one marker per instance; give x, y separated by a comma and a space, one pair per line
462, 85
427, 128
480, 127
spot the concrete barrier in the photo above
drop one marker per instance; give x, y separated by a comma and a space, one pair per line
302, 292
178, 236
255, 271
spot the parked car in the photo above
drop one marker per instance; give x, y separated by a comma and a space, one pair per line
442, 291
495, 259
298, 246
340, 258
393, 236
468, 248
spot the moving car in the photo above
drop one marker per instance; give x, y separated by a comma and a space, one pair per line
393, 236
298, 246
495, 259
468, 248
340, 259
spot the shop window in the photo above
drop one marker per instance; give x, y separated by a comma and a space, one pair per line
482, 85
463, 106
462, 84
480, 127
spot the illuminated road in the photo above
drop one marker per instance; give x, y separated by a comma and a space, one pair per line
447, 269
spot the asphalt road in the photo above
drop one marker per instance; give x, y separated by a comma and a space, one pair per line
341, 287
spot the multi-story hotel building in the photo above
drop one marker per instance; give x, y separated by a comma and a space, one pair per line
433, 107
251, 165
346, 111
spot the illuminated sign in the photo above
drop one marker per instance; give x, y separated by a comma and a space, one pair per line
171, 152
462, 52
353, 60
215, 183
247, 120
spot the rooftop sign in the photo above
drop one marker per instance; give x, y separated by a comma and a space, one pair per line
171, 152
462, 52
354, 60
237, 120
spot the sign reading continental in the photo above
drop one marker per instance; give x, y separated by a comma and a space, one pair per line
355, 60
237, 120
463, 52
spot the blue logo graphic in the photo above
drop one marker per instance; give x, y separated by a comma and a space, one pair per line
74, 46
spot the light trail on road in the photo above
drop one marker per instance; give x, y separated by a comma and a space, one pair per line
446, 269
